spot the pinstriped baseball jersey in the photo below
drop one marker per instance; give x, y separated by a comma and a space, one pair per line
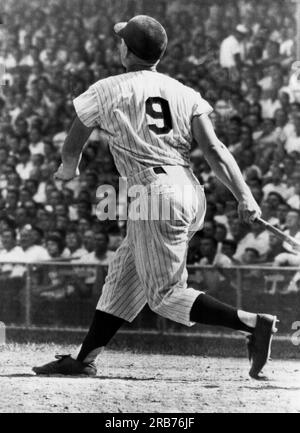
147, 116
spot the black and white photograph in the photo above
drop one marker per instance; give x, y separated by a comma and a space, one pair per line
149, 209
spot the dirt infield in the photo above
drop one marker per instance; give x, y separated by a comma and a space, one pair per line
129, 382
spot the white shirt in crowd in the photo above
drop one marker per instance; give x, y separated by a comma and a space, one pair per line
292, 144
294, 86
287, 48
269, 107
35, 253
9, 61
288, 131
228, 49
24, 170
77, 254
281, 189
294, 201
287, 259
40, 196
37, 148
260, 243
91, 258
14, 255
220, 260
266, 83
27, 60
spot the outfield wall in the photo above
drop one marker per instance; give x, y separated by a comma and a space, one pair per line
63, 295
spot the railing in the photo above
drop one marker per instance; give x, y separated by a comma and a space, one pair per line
64, 295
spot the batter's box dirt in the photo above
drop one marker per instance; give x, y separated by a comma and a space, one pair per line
129, 382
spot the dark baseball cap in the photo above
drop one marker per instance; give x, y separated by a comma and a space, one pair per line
144, 36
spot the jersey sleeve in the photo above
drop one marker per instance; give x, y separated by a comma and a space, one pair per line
87, 107
200, 106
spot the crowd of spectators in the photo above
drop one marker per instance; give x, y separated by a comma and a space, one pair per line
240, 55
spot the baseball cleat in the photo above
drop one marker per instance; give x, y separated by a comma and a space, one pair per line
67, 366
259, 343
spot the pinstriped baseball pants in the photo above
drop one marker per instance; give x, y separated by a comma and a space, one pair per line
150, 265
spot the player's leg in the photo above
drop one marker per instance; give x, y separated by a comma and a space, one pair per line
260, 327
210, 311
161, 263
102, 329
165, 279
160, 252
121, 300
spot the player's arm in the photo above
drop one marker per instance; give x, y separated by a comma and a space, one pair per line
224, 166
72, 150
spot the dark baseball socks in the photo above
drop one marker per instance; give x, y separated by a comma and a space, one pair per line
205, 310
210, 311
103, 328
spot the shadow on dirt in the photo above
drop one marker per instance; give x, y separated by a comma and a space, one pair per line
125, 378
273, 387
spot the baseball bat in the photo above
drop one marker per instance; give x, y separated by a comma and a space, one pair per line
279, 234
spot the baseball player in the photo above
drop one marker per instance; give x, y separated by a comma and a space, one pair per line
151, 120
